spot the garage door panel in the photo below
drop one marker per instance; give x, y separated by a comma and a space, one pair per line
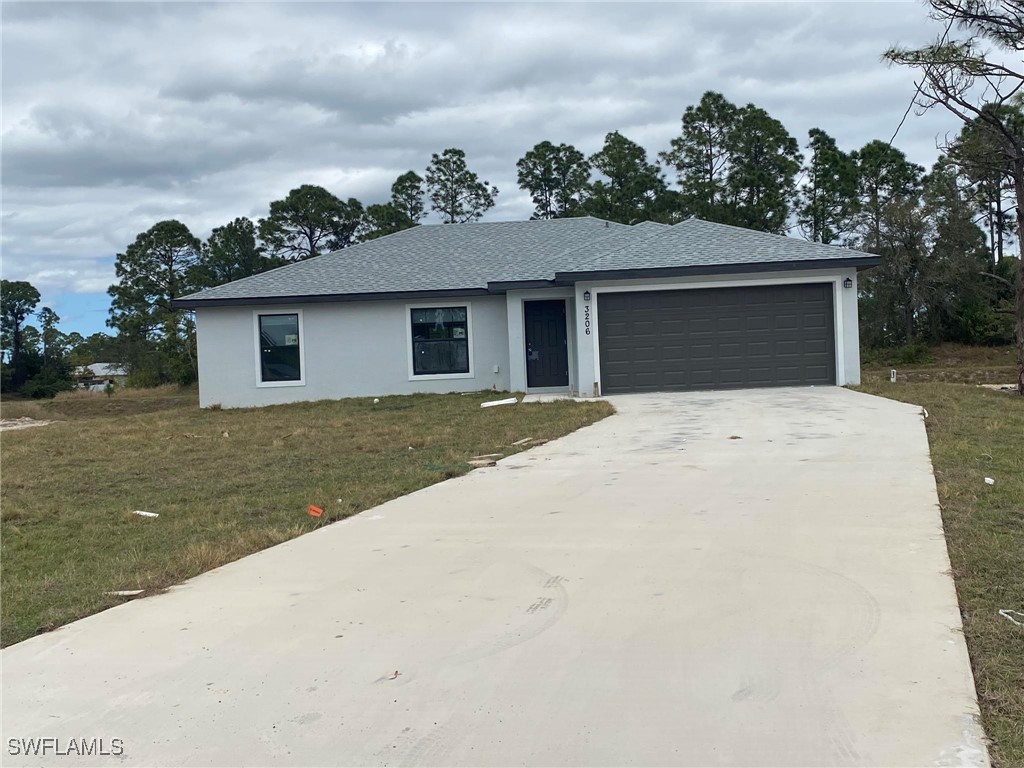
709, 338
817, 370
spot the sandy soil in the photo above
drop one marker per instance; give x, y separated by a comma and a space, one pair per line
1000, 387
23, 423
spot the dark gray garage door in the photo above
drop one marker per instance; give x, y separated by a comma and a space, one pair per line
716, 338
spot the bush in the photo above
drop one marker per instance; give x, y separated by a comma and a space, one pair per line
913, 354
143, 378
46, 385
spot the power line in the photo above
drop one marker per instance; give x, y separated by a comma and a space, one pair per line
918, 85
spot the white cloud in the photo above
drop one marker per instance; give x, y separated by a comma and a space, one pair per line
118, 115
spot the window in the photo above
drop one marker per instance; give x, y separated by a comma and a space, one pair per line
280, 350
440, 341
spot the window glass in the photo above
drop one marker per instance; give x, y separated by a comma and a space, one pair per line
440, 340
279, 348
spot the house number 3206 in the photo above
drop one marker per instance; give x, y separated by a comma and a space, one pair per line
586, 319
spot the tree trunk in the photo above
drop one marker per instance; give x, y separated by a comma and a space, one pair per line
908, 319
1018, 188
999, 226
17, 364
994, 258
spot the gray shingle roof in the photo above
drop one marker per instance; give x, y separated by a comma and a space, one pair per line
472, 257
698, 243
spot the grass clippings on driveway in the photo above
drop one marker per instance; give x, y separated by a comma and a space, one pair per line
224, 483
976, 433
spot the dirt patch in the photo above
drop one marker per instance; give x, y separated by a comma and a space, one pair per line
23, 423
1001, 387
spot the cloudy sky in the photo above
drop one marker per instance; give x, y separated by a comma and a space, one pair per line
116, 116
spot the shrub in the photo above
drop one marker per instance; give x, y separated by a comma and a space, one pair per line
913, 354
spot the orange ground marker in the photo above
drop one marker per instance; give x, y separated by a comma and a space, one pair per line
314, 511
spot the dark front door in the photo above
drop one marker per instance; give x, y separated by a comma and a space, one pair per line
547, 357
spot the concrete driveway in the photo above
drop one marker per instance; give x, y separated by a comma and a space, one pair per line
744, 578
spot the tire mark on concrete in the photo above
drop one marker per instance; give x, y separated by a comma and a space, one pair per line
547, 609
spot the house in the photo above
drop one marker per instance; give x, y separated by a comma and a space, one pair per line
575, 305
96, 376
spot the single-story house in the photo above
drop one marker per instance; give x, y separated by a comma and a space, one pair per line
579, 305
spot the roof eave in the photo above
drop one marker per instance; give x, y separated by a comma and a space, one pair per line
324, 298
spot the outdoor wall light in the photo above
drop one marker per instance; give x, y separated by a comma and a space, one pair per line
586, 295
847, 283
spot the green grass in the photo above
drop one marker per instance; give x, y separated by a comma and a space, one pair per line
976, 433
225, 483
953, 363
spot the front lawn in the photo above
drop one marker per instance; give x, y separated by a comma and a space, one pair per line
977, 433
224, 483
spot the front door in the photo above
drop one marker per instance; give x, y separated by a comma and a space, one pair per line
547, 356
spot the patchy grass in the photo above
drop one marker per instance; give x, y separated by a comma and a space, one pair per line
976, 433
80, 404
225, 483
954, 363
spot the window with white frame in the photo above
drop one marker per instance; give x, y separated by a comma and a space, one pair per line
440, 340
280, 351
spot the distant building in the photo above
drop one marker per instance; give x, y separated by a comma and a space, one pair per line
96, 376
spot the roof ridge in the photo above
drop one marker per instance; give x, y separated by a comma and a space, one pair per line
644, 235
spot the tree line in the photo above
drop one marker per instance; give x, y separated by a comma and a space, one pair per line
943, 234
40, 360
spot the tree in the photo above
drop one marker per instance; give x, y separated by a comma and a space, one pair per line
556, 177
407, 197
403, 211
884, 176
98, 347
960, 306
969, 79
735, 165
455, 192
308, 222
18, 300
764, 163
53, 372
51, 335
828, 200
157, 268
231, 253
895, 291
634, 190
701, 156
985, 166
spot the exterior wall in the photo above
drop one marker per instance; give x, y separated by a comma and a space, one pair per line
517, 334
844, 305
353, 349
349, 349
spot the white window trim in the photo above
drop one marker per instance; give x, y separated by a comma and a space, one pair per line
469, 339
256, 314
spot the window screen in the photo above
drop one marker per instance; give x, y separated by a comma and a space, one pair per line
440, 340
279, 348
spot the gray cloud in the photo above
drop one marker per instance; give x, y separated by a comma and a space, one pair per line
118, 115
